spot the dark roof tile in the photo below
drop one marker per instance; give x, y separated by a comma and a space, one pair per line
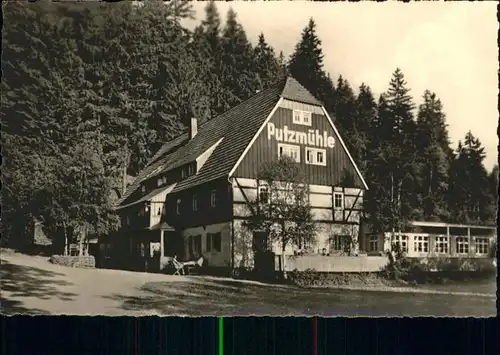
239, 125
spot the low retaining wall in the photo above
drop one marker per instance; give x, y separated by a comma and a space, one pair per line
87, 262
322, 263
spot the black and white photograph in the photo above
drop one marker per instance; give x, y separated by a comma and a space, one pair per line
249, 158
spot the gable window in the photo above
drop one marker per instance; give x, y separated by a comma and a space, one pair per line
293, 151
213, 198
315, 156
462, 245
263, 194
195, 203
482, 246
178, 207
338, 200
302, 117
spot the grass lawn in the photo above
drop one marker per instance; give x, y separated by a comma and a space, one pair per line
227, 297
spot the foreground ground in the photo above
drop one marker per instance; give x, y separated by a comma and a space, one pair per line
31, 285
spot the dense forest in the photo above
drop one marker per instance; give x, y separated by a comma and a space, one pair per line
90, 91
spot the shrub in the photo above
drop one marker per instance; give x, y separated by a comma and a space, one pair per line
73, 261
311, 277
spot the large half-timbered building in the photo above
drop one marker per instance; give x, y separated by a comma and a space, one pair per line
191, 199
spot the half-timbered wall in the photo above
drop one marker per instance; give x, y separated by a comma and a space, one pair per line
330, 221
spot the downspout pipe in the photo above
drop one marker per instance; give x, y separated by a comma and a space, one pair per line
230, 181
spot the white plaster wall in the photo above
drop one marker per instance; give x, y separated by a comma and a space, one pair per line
213, 258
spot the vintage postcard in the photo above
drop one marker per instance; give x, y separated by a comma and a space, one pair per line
249, 158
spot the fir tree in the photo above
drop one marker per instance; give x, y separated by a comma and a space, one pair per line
306, 65
237, 72
435, 157
267, 65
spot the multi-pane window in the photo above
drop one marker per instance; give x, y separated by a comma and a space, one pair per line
338, 200
482, 246
340, 243
263, 194
462, 245
421, 244
402, 241
315, 156
195, 203
293, 151
302, 117
373, 242
213, 198
441, 246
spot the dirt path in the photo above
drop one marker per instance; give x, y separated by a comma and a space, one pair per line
32, 284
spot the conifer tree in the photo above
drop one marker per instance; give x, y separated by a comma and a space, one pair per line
306, 65
267, 65
470, 195
237, 65
434, 154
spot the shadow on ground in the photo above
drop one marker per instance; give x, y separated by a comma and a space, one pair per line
24, 281
223, 297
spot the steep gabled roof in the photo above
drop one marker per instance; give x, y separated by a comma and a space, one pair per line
238, 126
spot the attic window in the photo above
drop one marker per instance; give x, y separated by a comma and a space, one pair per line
143, 188
183, 173
160, 181
190, 170
302, 117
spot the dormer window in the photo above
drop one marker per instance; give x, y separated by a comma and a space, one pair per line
191, 170
302, 117
143, 188
183, 173
159, 181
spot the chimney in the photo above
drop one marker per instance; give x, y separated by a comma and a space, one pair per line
193, 127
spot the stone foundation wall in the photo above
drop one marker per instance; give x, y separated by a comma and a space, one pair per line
87, 262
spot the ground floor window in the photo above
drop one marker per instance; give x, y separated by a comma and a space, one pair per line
194, 246
441, 245
462, 245
340, 243
373, 243
402, 241
214, 241
482, 246
421, 244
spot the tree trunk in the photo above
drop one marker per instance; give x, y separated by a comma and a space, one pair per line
65, 252
82, 240
124, 172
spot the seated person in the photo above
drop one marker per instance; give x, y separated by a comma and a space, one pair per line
324, 252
